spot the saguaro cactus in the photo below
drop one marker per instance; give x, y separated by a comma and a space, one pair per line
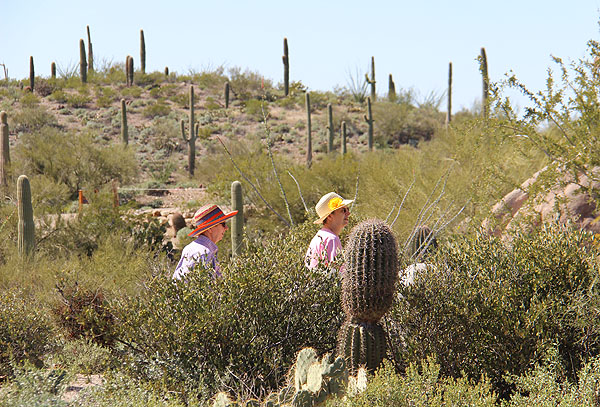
286, 68
167, 71
368, 287
371, 81
237, 222
330, 128
226, 95
129, 70
4, 149
391, 90
343, 141
31, 73
193, 135
25, 226
308, 132
449, 112
53, 70
369, 120
483, 66
124, 129
142, 52
82, 62
90, 52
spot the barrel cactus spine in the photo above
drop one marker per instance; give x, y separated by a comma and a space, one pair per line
4, 149
286, 68
25, 226
369, 120
237, 222
330, 128
31, 74
82, 62
308, 132
368, 286
142, 52
124, 129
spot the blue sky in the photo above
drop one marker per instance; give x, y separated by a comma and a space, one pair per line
328, 40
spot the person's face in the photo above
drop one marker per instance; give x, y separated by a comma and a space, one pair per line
216, 234
339, 218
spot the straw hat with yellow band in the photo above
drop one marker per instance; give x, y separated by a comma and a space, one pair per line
208, 217
329, 203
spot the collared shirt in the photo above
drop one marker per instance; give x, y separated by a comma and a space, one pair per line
203, 251
323, 248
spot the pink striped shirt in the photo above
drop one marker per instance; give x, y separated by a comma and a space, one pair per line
322, 249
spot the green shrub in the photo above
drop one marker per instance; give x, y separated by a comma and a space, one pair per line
422, 385
256, 109
59, 96
25, 332
35, 387
486, 308
29, 100
73, 159
248, 85
159, 108
402, 123
250, 323
32, 119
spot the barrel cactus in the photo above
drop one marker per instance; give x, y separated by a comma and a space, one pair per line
368, 286
422, 242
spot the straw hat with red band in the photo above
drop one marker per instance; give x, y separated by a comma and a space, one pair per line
207, 217
329, 203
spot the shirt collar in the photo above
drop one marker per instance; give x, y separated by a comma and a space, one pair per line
206, 242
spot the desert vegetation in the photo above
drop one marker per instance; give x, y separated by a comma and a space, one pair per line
86, 294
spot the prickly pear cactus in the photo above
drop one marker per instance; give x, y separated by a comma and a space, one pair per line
370, 271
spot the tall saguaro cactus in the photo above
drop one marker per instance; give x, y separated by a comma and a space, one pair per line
4, 149
391, 90
368, 287
371, 81
142, 52
90, 51
82, 62
31, 73
25, 226
330, 128
237, 222
129, 70
226, 95
369, 120
286, 68
449, 112
308, 133
124, 129
344, 135
193, 135
53, 70
483, 66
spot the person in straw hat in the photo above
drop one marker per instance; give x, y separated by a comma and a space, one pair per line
210, 229
333, 214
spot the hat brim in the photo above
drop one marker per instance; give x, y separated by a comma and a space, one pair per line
203, 227
345, 203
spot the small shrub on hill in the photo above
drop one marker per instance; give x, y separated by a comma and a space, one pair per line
247, 84
32, 119
158, 108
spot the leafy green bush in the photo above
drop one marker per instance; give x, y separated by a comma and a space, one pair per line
486, 308
241, 331
403, 123
25, 332
256, 109
246, 85
35, 387
422, 385
159, 108
32, 119
73, 159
